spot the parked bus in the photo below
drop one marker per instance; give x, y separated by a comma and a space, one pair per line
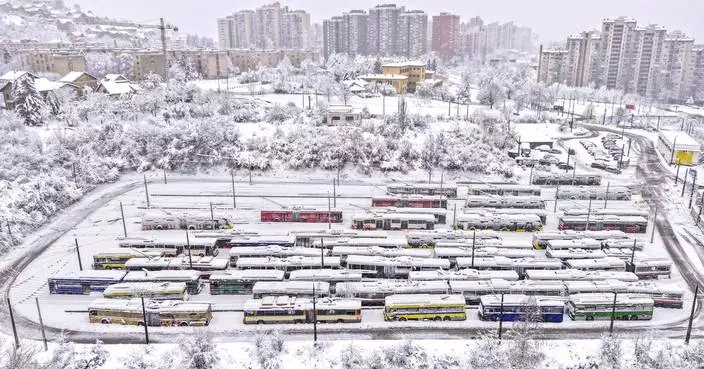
497, 244
462, 275
663, 296
430, 238
540, 239
521, 308
503, 190
503, 263
608, 263
307, 238
409, 202
150, 290
577, 275
520, 202
160, 220
116, 259
205, 264
473, 290
199, 247
375, 292
326, 275
301, 216
158, 314
605, 222
497, 212
598, 306
425, 189
607, 211
192, 278
290, 263
650, 267
290, 309
256, 241
293, 288
240, 282
344, 251
566, 179
393, 221
581, 243
272, 251
424, 307
362, 243
575, 254
452, 253
594, 193
440, 214
499, 222
395, 267
84, 282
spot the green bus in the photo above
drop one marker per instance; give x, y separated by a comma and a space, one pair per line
240, 282
600, 306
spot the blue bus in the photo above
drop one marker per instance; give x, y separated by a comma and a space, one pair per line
521, 308
83, 283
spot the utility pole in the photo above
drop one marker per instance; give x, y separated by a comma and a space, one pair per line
652, 231
684, 182
315, 318
234, 199
633, 256
144, 317
12, 320
454, 218
677, 173
329, 224
41, 323
606, 198
474, 241
163, 27
613, 315
530, 177
164, 176
188, 246
322, 254
694, 185
124, 225
146, 191
78, 252
557, 189
589, 213
334, 193
691, 315
501, 316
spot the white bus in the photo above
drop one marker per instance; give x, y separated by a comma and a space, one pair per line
462, 275
160, 220
565, 254
192, 278
440, 214
200, 263
608, 263
500, 222
149, 290
663, 296
540, 239
499, 244
308, 238
577, 275
430, 238
374, 292
453, 253
594, 193
291, 288
393, 221
273, 251
326, 275
240, 282
290, 263
521, 202
582, 243
540, 213
485, 263
598, 306
472, 291
650, 267
291, 309
344, 251
386, 243
394, 267
504, 190
599, 286
199, 247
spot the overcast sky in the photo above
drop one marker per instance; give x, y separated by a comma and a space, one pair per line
553, 20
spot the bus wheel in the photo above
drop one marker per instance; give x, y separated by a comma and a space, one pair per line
634, 317
105, 321
260, 322
401, 319
183, 324
141, 324
437, 319
297, 321
340, 321
447, 319
589, 317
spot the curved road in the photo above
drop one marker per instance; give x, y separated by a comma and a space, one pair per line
649, 169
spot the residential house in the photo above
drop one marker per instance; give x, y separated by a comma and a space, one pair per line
43, 86
415, 71
397, 81
342, 115
6, 82
116, 85
82, 80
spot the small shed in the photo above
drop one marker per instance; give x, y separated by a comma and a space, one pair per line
342, 115
678, 148
533, 139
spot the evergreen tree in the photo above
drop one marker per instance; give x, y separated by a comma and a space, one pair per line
29, 104
377, 67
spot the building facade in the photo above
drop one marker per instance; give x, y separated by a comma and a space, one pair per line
446, 34
267, 27
412, 34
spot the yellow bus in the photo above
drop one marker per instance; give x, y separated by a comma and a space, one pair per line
158, 313
290, 309
425, 307
150, 290
116, 259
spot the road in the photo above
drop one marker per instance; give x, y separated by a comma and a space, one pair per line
649, 169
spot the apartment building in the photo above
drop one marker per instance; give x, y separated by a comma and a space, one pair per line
446, 34
267, 27
412, 34
552, 66
295, 29
677, 68
355, 24
382, 29
50, 61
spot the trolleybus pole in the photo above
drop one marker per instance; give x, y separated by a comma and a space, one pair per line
78, 253
691, 316
501, 316
652, 231
146, 191
124, 225
684, 181
606, 198
454, 217
329, 224
165, 176
557, 190
322, 254
12, 320
334, 193
315, 318
234, 199
589, 213
144, 318
633, 256
474, 239
188, 245
694, 184
41, 323
613, 315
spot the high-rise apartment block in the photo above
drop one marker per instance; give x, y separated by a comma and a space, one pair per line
643, 60
268, 27
446, 34
412, 34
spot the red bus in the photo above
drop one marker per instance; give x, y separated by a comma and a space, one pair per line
410, 202
301, 216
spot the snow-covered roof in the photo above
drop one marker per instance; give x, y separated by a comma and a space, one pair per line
424, 299
114, 78
73, 76
340, 109
13, 75
117, 88
404, 64
44, 85
681, 140
384, 77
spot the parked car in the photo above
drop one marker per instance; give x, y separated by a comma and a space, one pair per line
555, 151
599, 165
565, 166
612, 168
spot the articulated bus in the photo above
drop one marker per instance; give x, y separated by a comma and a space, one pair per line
374, 292
150, 290
345, 251
424, 307
393, 221
462, 275
83, 283
116, 259
503, 190
410, 202
394, 267
521, 308
158, 313
426, 189
290, 263
291, 309
292, 288
192, 278
431, 238
579, 275
241, 282
540, 239
440, 214
598, 306
199, 247
273, 251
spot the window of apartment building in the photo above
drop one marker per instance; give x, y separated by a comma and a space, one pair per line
349, 118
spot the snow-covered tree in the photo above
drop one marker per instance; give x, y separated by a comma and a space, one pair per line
268, 347
142, 358
23, 357
490, 91
29, 104
124, 64
611, 352
343, 92
100, 64
198, 351
377, 67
